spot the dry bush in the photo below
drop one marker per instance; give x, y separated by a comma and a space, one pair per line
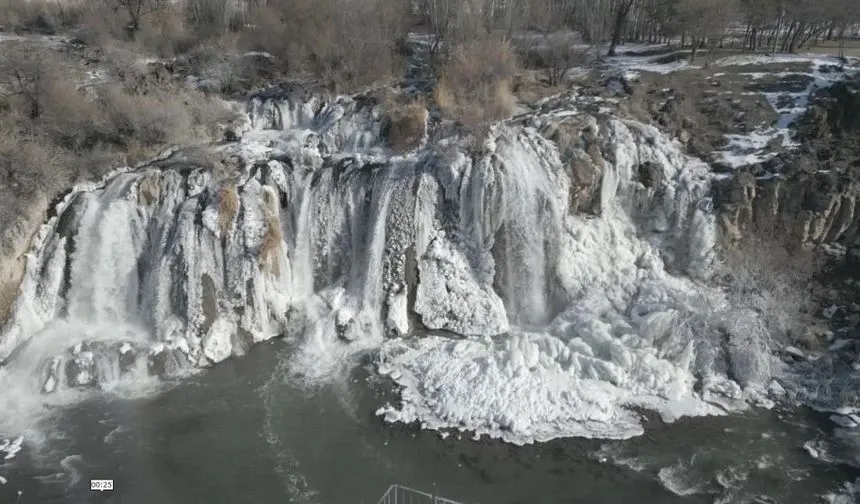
98, 29
150, 119
149, 189
8, 294
777, 281
475, 84
167, 33
160, 117
228, 208
30, 163
405, 125
26, 69
211, 18
71, 118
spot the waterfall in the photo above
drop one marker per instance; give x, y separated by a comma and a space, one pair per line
319, 233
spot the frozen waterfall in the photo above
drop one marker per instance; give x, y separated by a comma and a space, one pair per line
494, 301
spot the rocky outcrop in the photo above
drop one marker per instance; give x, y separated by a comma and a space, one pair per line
576, 139
784, 199
808, 196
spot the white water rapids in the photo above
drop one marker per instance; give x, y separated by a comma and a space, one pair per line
494, 305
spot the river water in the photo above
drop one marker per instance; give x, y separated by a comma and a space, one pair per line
249, 431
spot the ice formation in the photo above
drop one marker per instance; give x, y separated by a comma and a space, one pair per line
546, 319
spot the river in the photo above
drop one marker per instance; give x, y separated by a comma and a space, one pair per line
247, 431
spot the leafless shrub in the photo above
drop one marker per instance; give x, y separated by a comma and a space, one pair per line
71, 119
777, 281
147, 118
25, 72
29, 162
98, 29
136, 10
345, 43
475, 85
405, 125
167, 32
209, 17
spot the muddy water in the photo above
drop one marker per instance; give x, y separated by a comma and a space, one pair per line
246, 431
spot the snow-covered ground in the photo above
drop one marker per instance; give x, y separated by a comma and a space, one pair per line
752, 148
742, 150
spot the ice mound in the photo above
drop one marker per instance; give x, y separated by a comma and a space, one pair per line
848, 494
598, 360
632, 336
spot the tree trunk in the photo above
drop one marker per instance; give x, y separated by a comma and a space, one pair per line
792, 47
842, 41
787, 37
618, 25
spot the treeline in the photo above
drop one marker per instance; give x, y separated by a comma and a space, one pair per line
777, 25
474, 47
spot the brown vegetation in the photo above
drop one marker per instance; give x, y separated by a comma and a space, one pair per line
405, 125
272, 240
228, 208
55, 132
348, 44
475, 84
149, 189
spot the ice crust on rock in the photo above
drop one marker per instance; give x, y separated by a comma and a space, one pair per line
454, 296
570, 318
631, 334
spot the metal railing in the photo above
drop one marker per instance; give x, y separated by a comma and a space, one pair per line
399, 494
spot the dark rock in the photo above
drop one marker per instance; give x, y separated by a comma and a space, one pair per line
650, 174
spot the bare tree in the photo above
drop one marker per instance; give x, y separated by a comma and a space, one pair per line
137, 9
706, 22
23, 76
556, 52
621, 11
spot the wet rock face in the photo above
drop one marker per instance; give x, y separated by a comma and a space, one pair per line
577, 141
808, 196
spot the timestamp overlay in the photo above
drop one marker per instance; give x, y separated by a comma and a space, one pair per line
100, 485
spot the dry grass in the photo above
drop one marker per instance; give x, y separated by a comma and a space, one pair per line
228, 208
475, 85
406, 125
